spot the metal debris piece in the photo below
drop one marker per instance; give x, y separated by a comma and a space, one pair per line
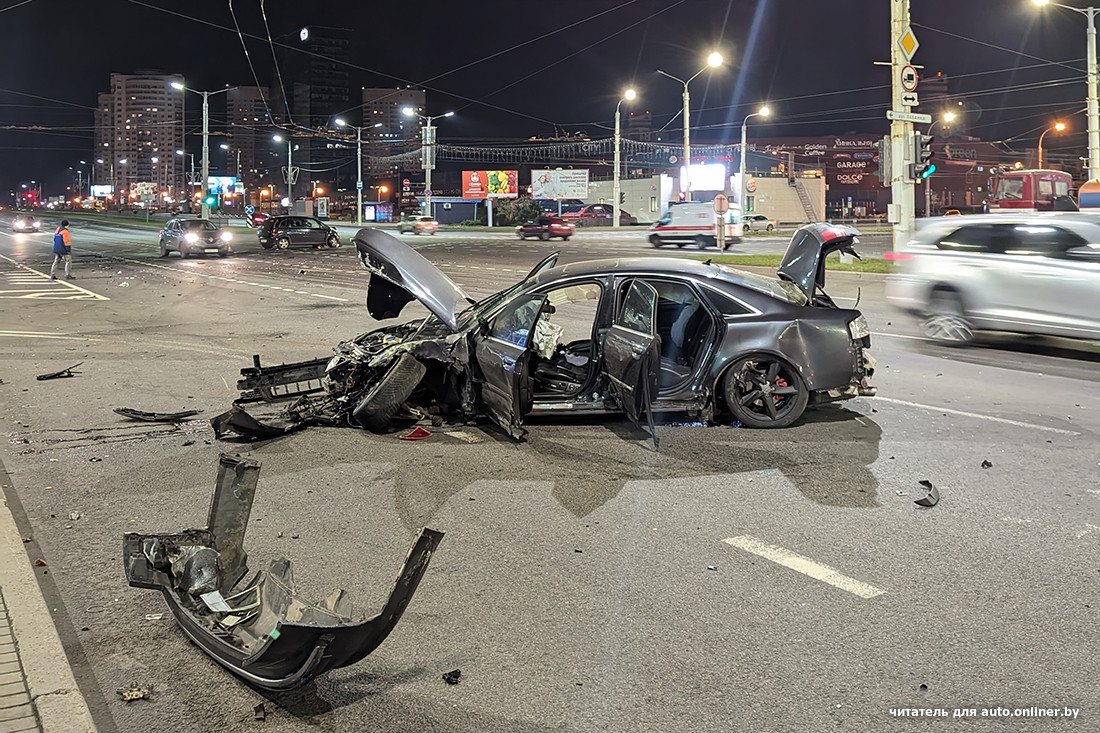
987, 464
931, 498
451, 678
95, 459
417, 433
271, 637
133, 692
899, 492
66, 372
154, 616
155, 416
75, 515
712, 567
259, 712
28, 539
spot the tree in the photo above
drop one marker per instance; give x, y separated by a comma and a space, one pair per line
509, 212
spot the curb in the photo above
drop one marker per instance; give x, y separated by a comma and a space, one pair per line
58, 703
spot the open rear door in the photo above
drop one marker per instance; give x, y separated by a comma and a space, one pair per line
501, 352
632, 350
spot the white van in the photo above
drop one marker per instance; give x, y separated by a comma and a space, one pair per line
695, 224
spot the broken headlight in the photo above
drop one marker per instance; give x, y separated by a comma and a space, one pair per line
858, 328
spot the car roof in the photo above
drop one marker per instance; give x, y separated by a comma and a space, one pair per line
1085, 224
671, 266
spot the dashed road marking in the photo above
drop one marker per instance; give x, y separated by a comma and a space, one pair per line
979, 416
44, 335
804, 565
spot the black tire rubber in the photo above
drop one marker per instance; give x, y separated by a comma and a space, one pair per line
770, 227
333, 242
946, 321
163, 249
183, 254
701, 242
565, 239
738, 397
382, 402
544, 236
282, 242
654, 240
520, 235
268, 244
222, 253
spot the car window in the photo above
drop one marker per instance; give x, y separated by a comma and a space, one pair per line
1061, 188
987, 238
1010, 188
788, 292
724, 304
1043, 240
639, 307
514, 323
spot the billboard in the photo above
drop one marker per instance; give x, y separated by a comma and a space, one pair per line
102, 190
559, 184
705, 177
490, 184
221, 184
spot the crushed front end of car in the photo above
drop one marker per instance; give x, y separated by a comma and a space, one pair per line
260, 629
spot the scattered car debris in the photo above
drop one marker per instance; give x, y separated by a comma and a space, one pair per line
931, 498
155, 416
712, 567
66, 372
154, 616
95, 459
451, 678
260, 629
40, 563
75, 515
987, 464
417, 433
259, 712
133, 692
899, 492
28, 539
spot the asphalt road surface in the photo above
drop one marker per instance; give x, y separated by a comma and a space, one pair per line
735, 580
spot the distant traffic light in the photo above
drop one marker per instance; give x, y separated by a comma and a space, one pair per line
210, 200
882, 150
922, 156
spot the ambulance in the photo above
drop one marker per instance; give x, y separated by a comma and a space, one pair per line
695, 224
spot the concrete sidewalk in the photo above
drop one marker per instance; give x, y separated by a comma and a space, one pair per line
37, 689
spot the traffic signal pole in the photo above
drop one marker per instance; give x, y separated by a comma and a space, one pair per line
902, 191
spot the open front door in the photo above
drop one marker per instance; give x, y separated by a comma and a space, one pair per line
501, 352
632, 352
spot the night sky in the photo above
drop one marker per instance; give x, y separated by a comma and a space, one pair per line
511, 69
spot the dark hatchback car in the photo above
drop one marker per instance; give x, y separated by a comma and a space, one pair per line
546, 227
618, 335
194, 237
282, 231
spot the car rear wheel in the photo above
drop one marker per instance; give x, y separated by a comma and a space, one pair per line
282, 242
520, 235
701, 242
383, 400
770, 227
163, 249
333, 241
764, 391
565, 239
544, 236
947, 321
654, 240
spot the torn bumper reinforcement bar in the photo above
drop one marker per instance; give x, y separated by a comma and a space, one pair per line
259, 629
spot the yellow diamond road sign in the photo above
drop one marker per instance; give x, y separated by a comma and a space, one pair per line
908, 43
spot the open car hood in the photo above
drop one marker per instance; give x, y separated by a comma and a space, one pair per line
400, 274
804, 262
260, 629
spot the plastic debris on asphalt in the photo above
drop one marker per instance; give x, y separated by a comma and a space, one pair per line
417, 433
451, 678
931, 498
987, 464
133, 692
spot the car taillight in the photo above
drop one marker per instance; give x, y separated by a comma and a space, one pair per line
858, 328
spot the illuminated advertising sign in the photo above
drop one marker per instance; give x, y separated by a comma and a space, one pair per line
221, 184
490, 184
705, 177
102, 190
559, 184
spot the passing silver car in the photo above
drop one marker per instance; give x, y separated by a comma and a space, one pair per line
1022, 273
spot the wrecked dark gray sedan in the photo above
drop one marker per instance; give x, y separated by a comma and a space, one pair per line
638, 336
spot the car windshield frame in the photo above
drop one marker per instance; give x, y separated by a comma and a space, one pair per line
203, 224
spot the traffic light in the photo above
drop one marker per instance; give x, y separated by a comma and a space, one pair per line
882, 151
922, 156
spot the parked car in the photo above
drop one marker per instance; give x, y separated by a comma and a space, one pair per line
546, 227
1024, 273
25, 223
282, 231
758, 223
598, 215
418, 225
633, 335
194, 237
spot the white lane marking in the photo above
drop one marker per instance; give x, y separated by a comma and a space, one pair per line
89, 293
1093, 491
1082, 532
43, 335
1017, 520
964, 413
462, 436
898, 336
804, 565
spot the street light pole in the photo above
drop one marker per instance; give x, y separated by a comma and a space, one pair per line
743, 193
947, 117
358, 169
427, 151
713, 60
205, 138
1092, 103
1057, 127
630, 94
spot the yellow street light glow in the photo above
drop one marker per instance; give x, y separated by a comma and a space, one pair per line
630, 94
715, 59
764, 111
1059, 126
948, 116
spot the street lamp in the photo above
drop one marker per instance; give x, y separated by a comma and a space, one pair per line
1091, 75
427, 151
714, 60
358, 169
1057, 127
629, 95
948, 117
290, 174
205, 137
743, 193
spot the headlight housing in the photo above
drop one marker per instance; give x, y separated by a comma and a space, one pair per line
858, 328
191, 237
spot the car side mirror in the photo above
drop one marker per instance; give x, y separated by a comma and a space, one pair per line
1088, 253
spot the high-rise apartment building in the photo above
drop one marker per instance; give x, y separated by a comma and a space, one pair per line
144, 116
399, 133
249, 134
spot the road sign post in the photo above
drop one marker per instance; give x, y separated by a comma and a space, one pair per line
721, 206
